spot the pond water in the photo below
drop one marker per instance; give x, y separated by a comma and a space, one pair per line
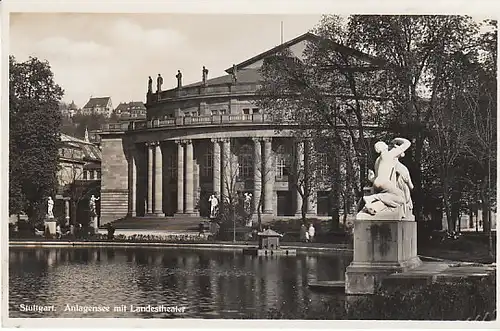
169, 283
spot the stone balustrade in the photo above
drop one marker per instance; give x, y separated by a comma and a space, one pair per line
194, 121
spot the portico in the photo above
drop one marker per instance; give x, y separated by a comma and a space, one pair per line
221, 174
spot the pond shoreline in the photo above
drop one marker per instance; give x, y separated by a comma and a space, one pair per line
300, 247
192, 245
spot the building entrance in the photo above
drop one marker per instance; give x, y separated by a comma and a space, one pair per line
285, 203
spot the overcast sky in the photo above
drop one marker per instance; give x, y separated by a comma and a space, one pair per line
113, 54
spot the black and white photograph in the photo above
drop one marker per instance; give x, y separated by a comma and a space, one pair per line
169, 166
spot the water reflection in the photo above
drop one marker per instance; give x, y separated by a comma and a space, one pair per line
210, 284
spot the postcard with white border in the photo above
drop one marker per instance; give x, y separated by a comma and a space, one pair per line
233, 164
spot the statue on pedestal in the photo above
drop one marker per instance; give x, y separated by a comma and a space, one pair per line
159, 83
179, 79
214, 203
92, 209
50, 208
247, 202
204, 75
391, 179
150, 85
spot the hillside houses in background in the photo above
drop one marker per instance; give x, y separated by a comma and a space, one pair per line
101, 106
130, 110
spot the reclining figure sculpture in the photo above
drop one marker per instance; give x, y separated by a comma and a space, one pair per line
391, 180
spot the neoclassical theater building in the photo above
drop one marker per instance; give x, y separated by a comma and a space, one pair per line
202, 139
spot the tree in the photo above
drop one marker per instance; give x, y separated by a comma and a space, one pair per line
88, 122
329, 92
417, 48
34, 121
480, 100
74, 186
238, 179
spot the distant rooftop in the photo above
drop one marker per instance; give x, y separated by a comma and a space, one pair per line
97, 102
91, 151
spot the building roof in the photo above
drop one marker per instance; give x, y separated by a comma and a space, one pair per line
97, 102
137, 105
91, 151
309, 37
252, 75
249, 75
133, 105
260, 56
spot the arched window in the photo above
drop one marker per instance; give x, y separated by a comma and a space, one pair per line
245, 162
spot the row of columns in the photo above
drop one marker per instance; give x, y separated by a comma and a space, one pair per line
185, 186
222, 175
223, 172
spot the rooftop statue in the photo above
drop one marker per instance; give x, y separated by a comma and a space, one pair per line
179, 79
391, 180
204, 75
159, 82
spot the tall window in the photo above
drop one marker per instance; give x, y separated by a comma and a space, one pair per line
208, 163
323, 164
245, 162
172, 166
282, 162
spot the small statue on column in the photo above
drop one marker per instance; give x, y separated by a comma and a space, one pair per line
92, 201
247, 202
50, 208
179, 79
159, 83
93, 212
214, 203
204, 74
150, 85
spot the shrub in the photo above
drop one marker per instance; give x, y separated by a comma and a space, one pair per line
438, 301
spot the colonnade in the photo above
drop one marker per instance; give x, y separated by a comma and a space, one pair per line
223, 175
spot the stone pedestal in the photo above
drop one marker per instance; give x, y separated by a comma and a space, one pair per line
50, 227
94, 223
383, 245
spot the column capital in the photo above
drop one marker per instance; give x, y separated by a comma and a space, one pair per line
216, 140
225, 140
257, 139
153, 143
267, 139
183, 141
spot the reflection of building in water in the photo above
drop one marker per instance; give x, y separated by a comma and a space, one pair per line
312, 267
